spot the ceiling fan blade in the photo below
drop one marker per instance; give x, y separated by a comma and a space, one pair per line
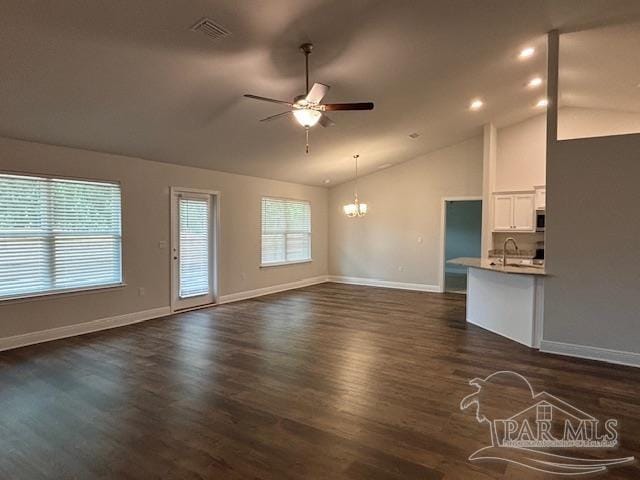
274, 117
317, 92
265, 99
330, 107
326, 121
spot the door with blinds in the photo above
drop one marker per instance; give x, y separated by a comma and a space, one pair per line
193, 249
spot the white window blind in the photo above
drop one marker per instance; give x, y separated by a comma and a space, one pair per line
194, 246
58, 235
286, 231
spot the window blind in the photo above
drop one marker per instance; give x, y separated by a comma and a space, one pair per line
286, 231
58, 235
194, 246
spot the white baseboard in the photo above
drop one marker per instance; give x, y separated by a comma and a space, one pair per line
258, 292
372, 282
41, 336
592, 353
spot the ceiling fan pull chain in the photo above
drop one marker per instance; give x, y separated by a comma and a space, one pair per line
306, 131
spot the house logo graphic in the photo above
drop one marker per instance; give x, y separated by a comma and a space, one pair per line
540, 431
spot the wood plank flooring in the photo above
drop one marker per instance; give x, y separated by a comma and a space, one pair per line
326, 382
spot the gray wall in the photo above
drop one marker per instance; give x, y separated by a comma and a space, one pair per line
463, 232
146, 221
592, 293
405, 204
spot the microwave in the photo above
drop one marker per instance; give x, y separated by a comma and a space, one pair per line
540, 220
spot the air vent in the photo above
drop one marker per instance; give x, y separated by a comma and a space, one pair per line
210, 28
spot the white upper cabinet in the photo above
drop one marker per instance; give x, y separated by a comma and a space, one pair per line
502, 212
541, 198
514, 212
524, 213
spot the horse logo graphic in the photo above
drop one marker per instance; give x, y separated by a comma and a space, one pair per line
536, 430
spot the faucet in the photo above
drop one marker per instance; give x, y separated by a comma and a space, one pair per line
504, 249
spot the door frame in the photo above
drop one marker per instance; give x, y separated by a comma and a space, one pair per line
443, 232
215, 240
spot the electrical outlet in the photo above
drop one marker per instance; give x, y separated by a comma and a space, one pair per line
243, 276
401, 268
420, 239
141, 292
162, 244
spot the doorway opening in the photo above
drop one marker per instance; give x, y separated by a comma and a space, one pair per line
462, 232
194, 245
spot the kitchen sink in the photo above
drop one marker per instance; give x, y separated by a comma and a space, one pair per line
523, 265
519, 263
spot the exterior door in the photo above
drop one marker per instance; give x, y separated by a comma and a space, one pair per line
192, 249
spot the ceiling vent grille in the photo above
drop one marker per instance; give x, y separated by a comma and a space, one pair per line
210, 28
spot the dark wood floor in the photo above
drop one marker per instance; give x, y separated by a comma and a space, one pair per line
326, 382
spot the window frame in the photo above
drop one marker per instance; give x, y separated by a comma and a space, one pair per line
310, 234
25, 297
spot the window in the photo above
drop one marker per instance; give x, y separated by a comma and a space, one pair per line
58, 235
286, 231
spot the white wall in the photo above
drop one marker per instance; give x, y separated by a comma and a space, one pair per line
521, 148
521, 155
574, 122
146, 221
405, 203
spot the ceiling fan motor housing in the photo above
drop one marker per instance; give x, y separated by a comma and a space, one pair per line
306, 48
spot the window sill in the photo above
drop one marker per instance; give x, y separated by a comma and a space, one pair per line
60, 293
282, 264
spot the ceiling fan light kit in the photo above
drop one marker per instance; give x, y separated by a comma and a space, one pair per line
307, 117
307, 109
355, 209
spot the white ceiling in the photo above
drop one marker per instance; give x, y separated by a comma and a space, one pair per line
130, 77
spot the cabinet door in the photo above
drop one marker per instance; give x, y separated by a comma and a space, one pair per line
541, 198
524, 212
503, 213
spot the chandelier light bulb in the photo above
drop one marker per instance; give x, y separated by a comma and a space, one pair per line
355, 209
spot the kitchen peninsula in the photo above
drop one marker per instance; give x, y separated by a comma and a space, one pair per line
507, 300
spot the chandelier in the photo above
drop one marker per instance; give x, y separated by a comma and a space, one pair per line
355, 209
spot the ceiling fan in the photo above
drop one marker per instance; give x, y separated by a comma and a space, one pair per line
307, 109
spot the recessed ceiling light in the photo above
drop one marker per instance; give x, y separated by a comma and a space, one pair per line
527, 52
534, 82
476, 104
326, 180
543, 102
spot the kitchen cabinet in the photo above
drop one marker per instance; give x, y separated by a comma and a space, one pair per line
514, 212
541, 198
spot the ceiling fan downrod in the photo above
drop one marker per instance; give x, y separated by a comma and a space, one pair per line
306, 49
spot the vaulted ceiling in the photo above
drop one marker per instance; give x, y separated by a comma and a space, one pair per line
130, 77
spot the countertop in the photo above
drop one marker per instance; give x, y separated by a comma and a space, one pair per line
485, 264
